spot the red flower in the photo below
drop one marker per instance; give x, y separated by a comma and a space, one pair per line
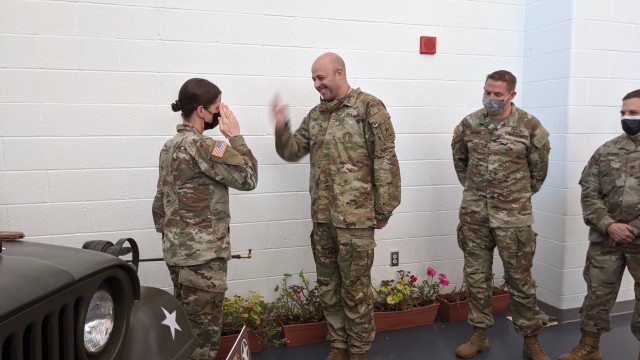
413, 278
443, 281
431, 272
299, 297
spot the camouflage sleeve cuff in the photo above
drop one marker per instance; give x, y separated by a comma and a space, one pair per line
237, 142
603, 225
284, 130
383, 217
635, 224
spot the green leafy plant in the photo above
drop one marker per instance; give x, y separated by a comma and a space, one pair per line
406, 292
298, 301
254, 312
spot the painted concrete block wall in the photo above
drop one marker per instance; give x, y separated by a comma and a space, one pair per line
604, 57
579, 60
84, 110
86, 88
546, 80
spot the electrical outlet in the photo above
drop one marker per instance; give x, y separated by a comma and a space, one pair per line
395, 258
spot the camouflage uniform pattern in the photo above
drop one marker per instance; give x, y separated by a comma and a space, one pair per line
191, 206
191, 210
516, 247
195, 287
355, 176
610, 193
500, 163
354, 182
344, 258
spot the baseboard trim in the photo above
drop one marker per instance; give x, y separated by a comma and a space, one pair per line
573, 314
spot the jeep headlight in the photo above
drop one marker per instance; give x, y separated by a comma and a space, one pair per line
99, 321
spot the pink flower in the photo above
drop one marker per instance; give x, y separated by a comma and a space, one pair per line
299, 297
444, 282
442, 276
431, 272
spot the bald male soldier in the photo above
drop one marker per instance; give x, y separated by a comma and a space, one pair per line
501, 155
354, 186
611, 208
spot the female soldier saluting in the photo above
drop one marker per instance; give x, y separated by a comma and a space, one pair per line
191, 206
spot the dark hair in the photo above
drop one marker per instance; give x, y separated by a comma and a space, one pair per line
504, 75
193, 93
631, 95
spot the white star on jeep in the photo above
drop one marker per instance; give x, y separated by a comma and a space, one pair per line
170, 321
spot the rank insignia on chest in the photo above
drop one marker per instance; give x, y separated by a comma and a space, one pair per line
219, 149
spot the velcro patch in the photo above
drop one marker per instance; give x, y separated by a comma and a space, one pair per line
219, 148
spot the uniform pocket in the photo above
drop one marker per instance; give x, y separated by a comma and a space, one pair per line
526, 246
210, 276
462, 241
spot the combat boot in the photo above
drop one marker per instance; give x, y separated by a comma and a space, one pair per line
362, 356
533, 350
478, 342
588, 348
338, 354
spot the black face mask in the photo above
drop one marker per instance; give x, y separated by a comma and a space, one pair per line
212, 124
631, 125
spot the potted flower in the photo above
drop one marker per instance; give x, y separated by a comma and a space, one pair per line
405, 302
298, 310
454, 306
252, 311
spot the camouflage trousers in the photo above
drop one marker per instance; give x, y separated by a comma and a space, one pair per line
603, 272
200, 289
343, 263
516, 247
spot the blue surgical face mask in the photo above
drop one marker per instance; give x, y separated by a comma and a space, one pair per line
631, 125
493, 106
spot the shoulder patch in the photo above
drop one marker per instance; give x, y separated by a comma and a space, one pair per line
540, 137
219, 148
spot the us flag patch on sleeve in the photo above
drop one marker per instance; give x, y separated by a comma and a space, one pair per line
218, 149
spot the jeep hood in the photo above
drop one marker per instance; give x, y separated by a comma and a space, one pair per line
30, 272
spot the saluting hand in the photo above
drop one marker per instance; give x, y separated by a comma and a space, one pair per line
229, 126
280, 113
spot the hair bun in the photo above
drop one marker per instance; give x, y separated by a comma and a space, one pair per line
176, 106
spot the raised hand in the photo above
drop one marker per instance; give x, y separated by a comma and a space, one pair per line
229, 126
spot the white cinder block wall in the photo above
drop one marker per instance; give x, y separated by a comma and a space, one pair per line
579, 61
86, 88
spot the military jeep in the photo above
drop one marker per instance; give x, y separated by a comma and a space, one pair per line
58, 302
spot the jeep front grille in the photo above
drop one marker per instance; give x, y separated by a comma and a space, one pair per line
44, 336
53, 328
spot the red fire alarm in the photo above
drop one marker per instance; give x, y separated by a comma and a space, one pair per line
427, 44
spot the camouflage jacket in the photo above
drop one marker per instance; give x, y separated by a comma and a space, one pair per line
191, 206
355, 176
611, 187
500, 164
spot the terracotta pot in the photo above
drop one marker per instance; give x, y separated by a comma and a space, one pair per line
452, 312
458, 311
302, 334
227, 341
393, 320
500, 303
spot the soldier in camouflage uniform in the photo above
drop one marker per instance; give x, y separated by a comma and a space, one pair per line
354, 186
191, 206
611, 208
500, 155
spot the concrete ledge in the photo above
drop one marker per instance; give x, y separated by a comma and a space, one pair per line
573, 314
